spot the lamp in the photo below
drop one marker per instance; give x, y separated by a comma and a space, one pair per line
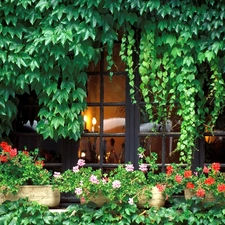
83, 154
94, 121
85, 122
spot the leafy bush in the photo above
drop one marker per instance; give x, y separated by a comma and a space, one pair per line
182, 212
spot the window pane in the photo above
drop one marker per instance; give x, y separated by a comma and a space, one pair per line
172, 124
171, 156
214, 149
152, 144
114, 119
114, 89
89, 149
92, 119
155, 144
119, 65
114, 148
93, 89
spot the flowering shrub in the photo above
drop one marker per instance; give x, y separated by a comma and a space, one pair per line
20, 168
121, 184
202, 182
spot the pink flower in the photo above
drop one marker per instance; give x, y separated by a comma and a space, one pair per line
81, 162
178, 178
82, 199
76, 169
143, 167
104, 180
57, 174
13, 152
94, 179
161, 187
141, 156
78, 191
205, 170
131, 201
129, 168
116, 184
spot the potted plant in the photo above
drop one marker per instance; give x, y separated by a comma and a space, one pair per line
22, 175
205, 184
120, 185
87, 183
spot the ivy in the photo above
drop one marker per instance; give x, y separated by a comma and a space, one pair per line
47, 47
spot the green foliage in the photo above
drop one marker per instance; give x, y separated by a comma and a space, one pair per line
47, 47
182, 212
20, 168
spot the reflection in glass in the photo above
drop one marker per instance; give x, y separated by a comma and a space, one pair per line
215, 149
154, 144
114, 88
88, 149
93, 88
171, 124
113, 149
114, 119
92, 119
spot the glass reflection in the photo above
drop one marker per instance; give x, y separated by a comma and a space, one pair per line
113, 150
214, 149
93, 88
114, 88
154, 144
91, 118
172, 124
114, 119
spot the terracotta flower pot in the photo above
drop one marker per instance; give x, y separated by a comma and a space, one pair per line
43, 194
157, 198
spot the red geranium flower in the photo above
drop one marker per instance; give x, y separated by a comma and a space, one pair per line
39, 163
187, 173
216, 166
5, 147
26, 153
169, 170
200, 192
3, 158
190, 185
221, 187
209, 181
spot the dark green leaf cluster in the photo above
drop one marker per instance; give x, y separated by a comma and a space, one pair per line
22, 212
46, 46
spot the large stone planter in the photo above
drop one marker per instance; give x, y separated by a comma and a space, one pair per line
157, 198
43, 194
188, 194
99, 200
